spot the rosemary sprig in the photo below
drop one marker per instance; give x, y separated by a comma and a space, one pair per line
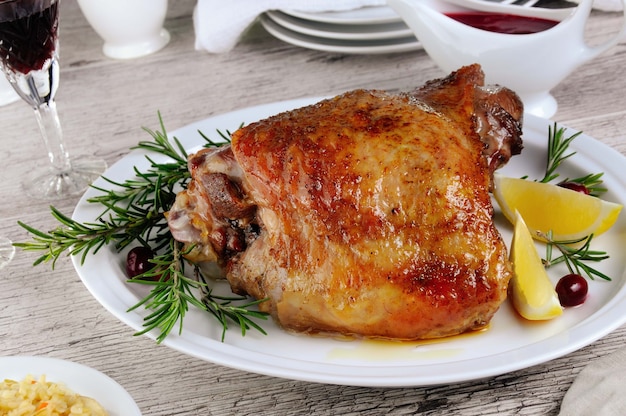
134, 213
224, 310
133, 210
172, 292
71, 237
574, 255
139, 203
558, 145
592, 182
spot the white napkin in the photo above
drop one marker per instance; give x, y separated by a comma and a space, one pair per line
599, 389
220, 23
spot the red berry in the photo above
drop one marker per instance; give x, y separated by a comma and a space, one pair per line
574, 186
572, 290
138, 261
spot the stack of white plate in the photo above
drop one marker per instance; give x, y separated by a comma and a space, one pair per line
369, 30
376, 30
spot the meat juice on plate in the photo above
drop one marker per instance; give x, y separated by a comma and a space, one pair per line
28, 33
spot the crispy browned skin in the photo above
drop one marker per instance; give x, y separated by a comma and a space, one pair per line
371, 214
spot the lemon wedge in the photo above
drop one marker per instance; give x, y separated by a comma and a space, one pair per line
530, 288
569, 214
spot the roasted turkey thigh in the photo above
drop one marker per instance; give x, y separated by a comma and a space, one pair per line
367, 214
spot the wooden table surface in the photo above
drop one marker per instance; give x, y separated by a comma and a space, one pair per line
104, 103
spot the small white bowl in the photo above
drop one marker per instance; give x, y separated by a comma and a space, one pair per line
79, 378
129, 28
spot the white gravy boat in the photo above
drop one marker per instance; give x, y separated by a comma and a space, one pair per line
531, 65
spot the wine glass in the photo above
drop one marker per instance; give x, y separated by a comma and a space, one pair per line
7, 250
28, 57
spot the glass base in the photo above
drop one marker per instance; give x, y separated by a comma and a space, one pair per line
7, 251
51, 185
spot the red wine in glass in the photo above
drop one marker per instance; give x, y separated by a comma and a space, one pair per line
28, 37
28, 57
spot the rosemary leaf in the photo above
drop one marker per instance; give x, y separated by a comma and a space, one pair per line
558, 146
592, 182
574, 255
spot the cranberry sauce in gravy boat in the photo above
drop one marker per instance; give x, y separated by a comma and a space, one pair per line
530, 64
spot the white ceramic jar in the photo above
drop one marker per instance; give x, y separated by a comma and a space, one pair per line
129, 28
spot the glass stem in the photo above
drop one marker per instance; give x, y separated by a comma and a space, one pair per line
52, 135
